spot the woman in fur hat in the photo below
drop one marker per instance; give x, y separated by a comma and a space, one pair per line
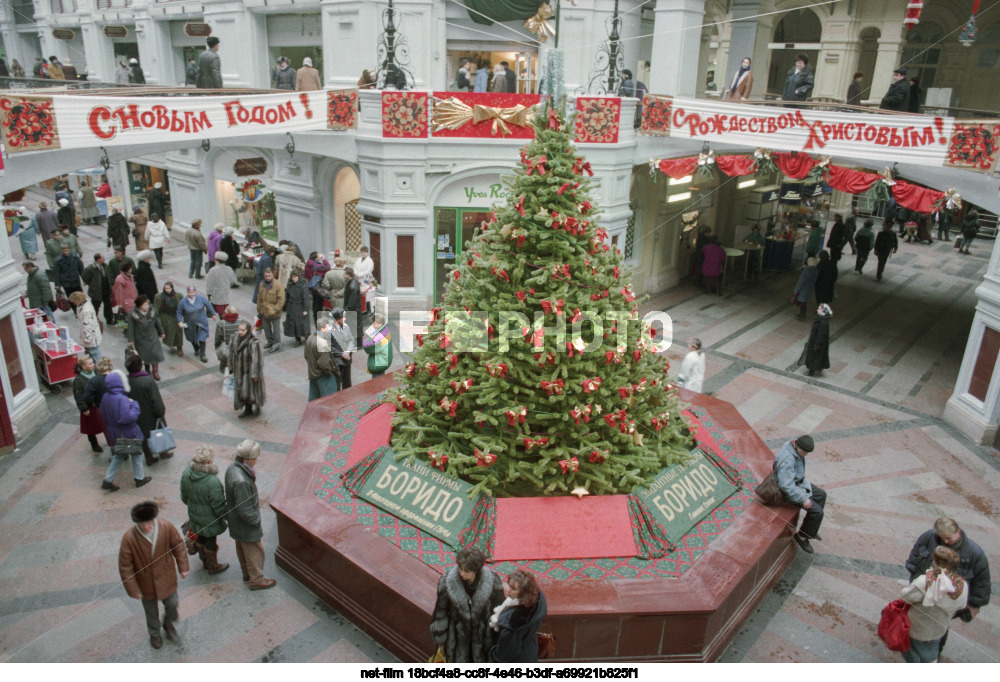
466, 596
202, 492
246, 362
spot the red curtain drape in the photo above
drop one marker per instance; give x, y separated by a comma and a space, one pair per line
678, 168
850, 181
793, 164
736, 164
915, 198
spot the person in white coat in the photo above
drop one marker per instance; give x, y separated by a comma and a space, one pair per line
90, 326
364, 268
158, 236
692, 374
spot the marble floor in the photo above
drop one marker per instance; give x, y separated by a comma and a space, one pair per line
887, 460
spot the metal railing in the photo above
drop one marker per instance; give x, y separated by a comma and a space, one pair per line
833, 104
9, 83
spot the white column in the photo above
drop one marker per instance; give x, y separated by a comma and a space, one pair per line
889, 49
297, 202
676, 47
974, 407
100, 52
192, 190
242, 39
154, 49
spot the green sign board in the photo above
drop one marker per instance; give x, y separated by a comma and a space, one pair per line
682, 495
421, 496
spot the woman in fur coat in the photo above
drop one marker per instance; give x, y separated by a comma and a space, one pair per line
246, 362
466, 597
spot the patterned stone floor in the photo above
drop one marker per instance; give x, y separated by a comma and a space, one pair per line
889, 463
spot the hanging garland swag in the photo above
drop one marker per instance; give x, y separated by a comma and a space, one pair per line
797, 165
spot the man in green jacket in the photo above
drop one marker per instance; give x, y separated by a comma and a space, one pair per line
39, 290
243, 514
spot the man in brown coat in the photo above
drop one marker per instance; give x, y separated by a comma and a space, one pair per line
151, 554
307, 78
139, 220
270, 302
197, 246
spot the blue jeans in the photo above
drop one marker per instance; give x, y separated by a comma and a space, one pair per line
922, 652
322, 387
116, 464
966, 243
195, 269
94, 352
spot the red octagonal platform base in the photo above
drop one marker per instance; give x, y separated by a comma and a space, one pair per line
389, 594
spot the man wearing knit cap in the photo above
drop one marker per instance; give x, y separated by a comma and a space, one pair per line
243, 514
790, 470
152, 552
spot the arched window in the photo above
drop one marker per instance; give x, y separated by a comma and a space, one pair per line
923, 52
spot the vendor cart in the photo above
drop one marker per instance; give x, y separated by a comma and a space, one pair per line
55, 356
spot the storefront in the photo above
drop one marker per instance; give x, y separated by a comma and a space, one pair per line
524, 64
243, 194
187, 44
141, 179
461, 208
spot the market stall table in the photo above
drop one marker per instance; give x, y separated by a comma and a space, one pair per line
54, 366
755, 254
731, 255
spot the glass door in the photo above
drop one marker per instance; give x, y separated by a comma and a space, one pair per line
449, 243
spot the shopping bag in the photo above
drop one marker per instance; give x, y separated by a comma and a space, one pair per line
894, 626
228, 385
190, 538
62, 302
160, 439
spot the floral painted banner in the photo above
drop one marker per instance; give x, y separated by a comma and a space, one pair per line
597, 119
404, 114
44, 122
920, 140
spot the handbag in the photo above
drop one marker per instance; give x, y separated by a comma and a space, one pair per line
190, 538
160, 439
314, 281
62, 302
894, 626
769, 492
127, 447
546, 645
438, 656
228, 385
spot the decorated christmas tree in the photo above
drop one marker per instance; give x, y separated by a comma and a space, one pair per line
537, 376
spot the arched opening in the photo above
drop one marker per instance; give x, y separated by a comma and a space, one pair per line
798, 31
867, 54
922, 53
346, 219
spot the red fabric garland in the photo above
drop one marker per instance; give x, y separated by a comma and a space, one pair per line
736, 164
793, 164
915, 198
850, 181
678, 168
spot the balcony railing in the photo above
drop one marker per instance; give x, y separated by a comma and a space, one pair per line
62, 6
103, 5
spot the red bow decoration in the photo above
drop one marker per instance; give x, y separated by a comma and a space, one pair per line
489, 332
461, 387
553, 387
516, 416
434, 314
578, 413
484, 459
410, 405
637, 354
627, 293
497, 370
566, 186
520, 237
548, 305
597, 457
661, 421
611, 419
556, 220
599, 295
411, 369
450, 405
538, 164
591, 385
452, 360
437, 460
500, 274
553, 120
571, 224
420, 340
586, 207
615, 271
521, 296
611, 356
520, 205
569, 465
445, 341
581, 166
601, 234
625, 392
577, 316
456, 274
530, 443
626, 426
431, 368
560, 270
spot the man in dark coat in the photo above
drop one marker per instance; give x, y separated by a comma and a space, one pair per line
511, 77
38, 288
67, 271
864, 240
143, 390
243, 515
135, 74
352, 302
973, 564
117, 230
799, 81
48, 223
851, 223
157, 200
95, 276
116, 264
150, 557
897, 97
342, 345
66, 215
210, 66
826, 278
913, 104
191, 72
886, 243
816, 355
838, 238
466, 596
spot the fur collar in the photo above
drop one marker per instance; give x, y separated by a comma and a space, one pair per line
460, 600
205, 468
